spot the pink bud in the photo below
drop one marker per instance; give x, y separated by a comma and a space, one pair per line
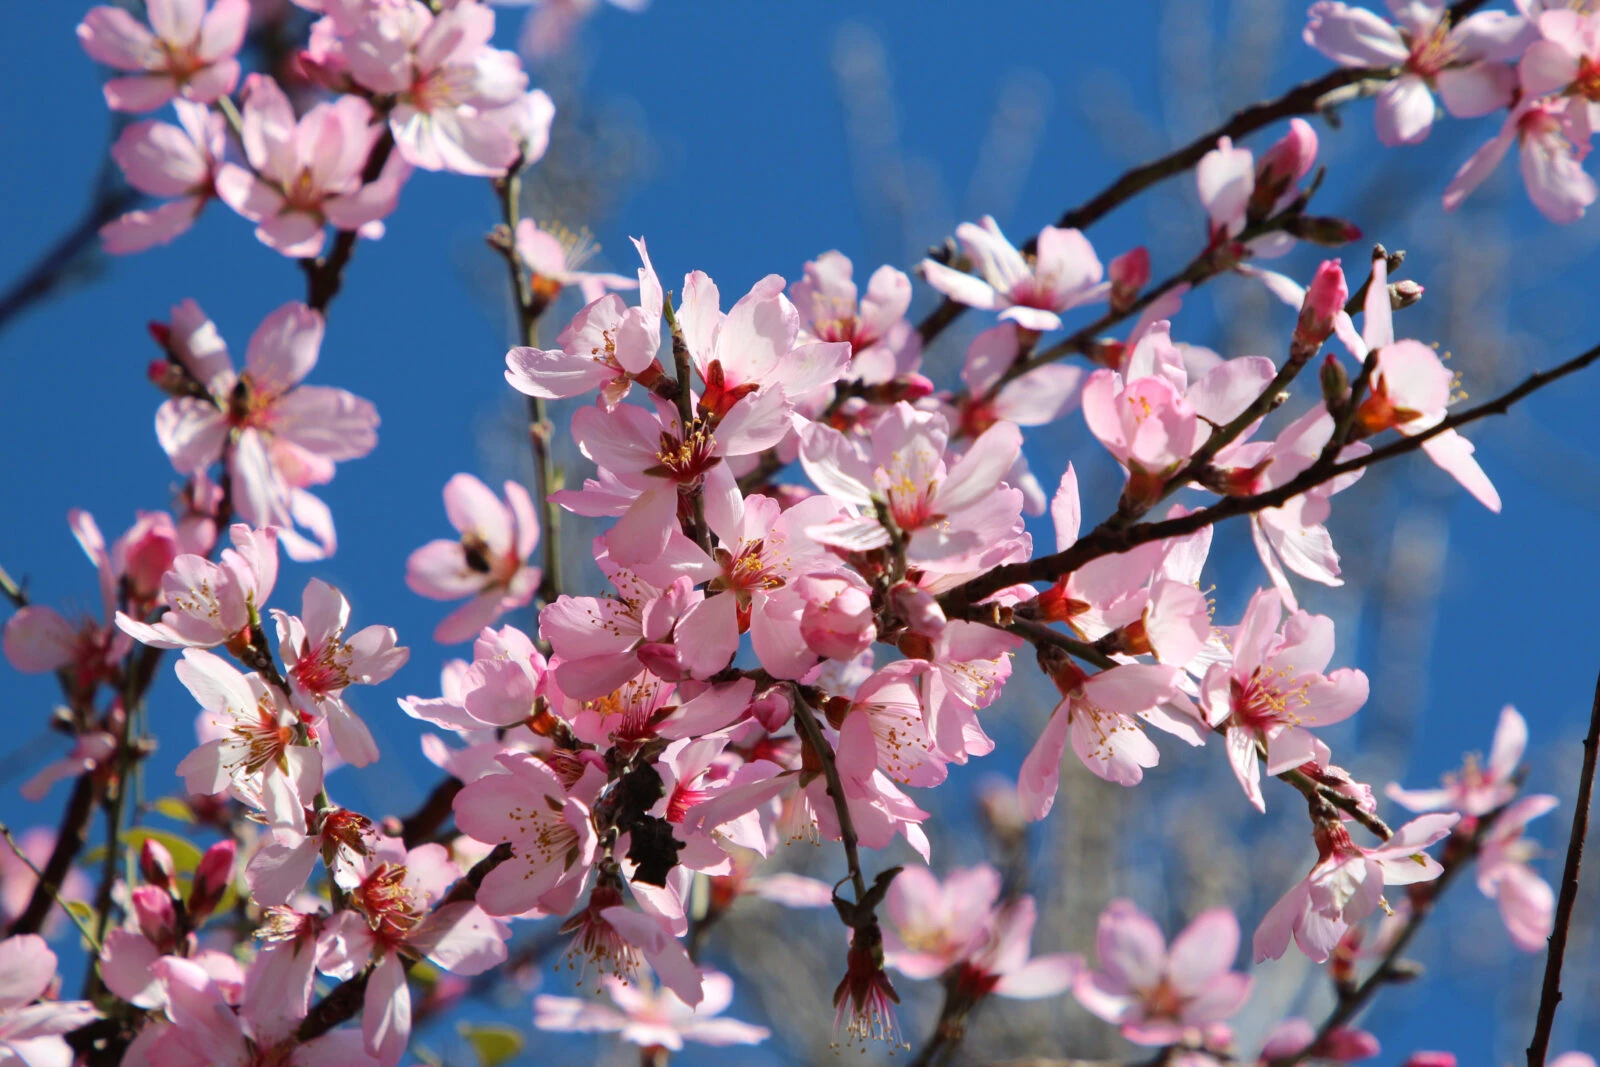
1129, 273
1324, 300
1431, 1059
157, 918
1347, 1046
837, 620
919, 608
146, 552
156, 865
211, 879
1289, 159
661, 659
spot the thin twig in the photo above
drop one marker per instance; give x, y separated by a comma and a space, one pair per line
13, 592
1550, 995
812, 732
83, 927
70, 837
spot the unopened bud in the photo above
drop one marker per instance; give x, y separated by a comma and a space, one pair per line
1324, 300
211, 879
1280, 166
1323, 230
1129, 273
1403, 294
155, 864
1335, 383
1430, 1059
157, 918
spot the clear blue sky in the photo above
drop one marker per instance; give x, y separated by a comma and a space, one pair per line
751, 173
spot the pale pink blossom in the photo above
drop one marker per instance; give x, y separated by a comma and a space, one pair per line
1295, 1036
1101, 715
1036, 398
883, 345
306, 174
1266, 700
209, 604
1346, 885
177, 163
1464, 62
489, 561
1160, 995
553, 257
89, 751
186, 51
1552, 136
31, 1027
255, 752
837, 621
649, 1016
1564, 60
1146, 423
277, 435
1030, 290
1476, 789
320, 662
1527, 903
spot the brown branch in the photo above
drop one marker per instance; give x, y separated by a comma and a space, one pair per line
58, 265
70, 837
811, 731
1108, 538
1550, 995
418, 827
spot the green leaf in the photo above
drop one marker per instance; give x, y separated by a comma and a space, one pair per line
174, 809
493, 1044
185, 856
81, 910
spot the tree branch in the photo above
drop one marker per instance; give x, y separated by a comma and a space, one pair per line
1550, 995
325, 276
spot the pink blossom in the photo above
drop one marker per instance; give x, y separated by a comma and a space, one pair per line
186, 51
89, 751
306, 174
1265, 701
1342, 1044
320, 663
1029, 290
1160, 996
1100, 713
1476, 789
395, 912
254, 752
209, 604
653, 1018
837, 621
488, 563
1552, 138
31, 1027
1146, 423
1459, 61
276, 435
883, 345
605, 346
1036, 398
447, 80
177, 163
1346, 885
553, 256
1527, 903
550, 832
1564, 60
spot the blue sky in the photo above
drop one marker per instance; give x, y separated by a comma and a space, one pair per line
751, 169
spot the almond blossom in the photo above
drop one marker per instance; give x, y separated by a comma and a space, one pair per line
650, 1017
31, 1028
1476, 789
1160, 995
1274, 690
306, 173
1552, 137
186, 51
1030, 290
488, 563
178, 163
832, 308
553, 256
209, 604
1527, 903
1346, 885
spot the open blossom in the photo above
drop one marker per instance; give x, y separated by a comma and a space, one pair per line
1275, 689
1552, 137
1036, 398
488, 563
1527, 903
178, 163
320, 662
650, 1017
553, 257
1030, 290
31, 1028
253, 751
1564, 60
397, 912
277, 435
883, 345
1463, 61
186, 51
306, 173
209, 604
1476, 789
1346, 885
1160, 995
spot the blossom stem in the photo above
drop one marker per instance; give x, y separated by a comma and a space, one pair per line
13, 592
1108, 539
698, 532
1550, 995
812, 732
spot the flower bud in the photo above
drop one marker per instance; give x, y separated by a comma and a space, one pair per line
211, 879
1291, 157
1129, 273
146, 552
1430, 1059
155, 864
837, 620
1403, 294
157, 918
1323, 230
1324, 300
1335, 383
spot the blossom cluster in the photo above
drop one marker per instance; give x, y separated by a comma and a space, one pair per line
818, 573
